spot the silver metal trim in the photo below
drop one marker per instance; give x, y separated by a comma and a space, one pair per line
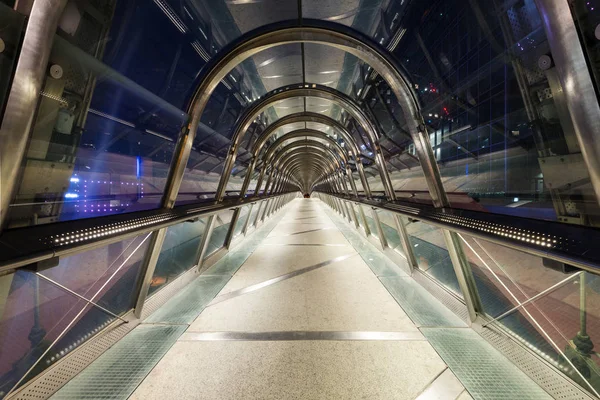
23, 98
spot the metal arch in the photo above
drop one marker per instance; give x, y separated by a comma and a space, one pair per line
313, 144
301, 156
307, 117
304, 159
306, 170
282, 157
325, 33
280, 162
312, 133
309, 133
306, 90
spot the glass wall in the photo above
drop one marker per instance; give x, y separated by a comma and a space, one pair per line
219, 233
562, 325
388, 225
498, 125
179, 252
429, 247
42, 320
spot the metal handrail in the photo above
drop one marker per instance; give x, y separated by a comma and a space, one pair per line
25, 246
575, 245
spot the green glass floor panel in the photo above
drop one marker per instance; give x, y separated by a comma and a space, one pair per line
372, 256
381, 265
420, 305
484, 371
229, 264
116, 373
185, 306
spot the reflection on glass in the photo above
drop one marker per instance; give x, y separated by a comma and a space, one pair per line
562, 326
11, 23
388, 225
179, 252
370, 222
41, 322
497, 123
241, 220
431, 254
219, 233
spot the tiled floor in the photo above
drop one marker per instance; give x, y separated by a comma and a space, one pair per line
305, 308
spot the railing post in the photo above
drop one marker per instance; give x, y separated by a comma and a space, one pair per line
201, 252
232, 224
382, 238
464, 274
361, 211
405, 241
154, 248
245, 228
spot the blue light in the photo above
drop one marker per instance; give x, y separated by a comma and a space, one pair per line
74, 179
516, 199
138, 165
71, 195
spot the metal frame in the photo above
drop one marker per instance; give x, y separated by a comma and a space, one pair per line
576, 82
30, 74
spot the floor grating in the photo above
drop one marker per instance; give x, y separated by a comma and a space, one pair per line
116, 373
484, 372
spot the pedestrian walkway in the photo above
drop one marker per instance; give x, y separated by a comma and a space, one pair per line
299, 312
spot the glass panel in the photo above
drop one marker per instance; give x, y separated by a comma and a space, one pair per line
11, 24
587, 15
361, 15
100, 143
388, 224
179, 252
241, 220
370, 222
42, 321
500, 132
255, 210
554, 324
219, 233
432, 256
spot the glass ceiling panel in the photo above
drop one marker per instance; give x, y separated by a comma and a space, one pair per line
359, 14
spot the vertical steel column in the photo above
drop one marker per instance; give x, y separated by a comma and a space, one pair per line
155, 243
462, 268
261, 176
245, 228
351, 179
257, 216
364, 219
269, 201
577, 84
382, 238
405, 242
363, 178
354, 216
30, 73
208, 231
232, 224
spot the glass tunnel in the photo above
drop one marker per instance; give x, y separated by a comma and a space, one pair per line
230, 199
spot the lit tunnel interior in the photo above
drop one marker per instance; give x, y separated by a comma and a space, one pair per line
145, 145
